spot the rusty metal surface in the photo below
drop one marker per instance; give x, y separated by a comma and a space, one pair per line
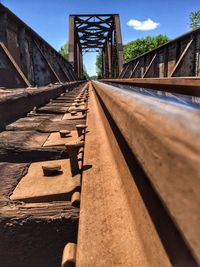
37, 62
96, 33
186, 86
115, 228
177, 58
164, 136
14, 63
134, 211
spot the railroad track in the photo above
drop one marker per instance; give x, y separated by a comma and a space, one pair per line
127, 214
98, 173
41, 167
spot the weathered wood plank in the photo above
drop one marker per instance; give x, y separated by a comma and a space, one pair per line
12, 153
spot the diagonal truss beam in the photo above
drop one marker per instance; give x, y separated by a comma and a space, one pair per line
96, 32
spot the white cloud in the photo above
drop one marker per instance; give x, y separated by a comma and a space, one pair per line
145, 25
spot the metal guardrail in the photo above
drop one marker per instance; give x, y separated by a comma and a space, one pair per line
25, 58
177, 58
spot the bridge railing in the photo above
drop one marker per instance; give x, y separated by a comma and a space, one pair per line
25, 58
177, 58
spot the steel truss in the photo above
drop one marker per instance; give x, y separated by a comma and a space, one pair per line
99, 33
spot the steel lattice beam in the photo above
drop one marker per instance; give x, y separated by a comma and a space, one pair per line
96, 32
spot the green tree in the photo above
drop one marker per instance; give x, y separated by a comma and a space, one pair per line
136, 48
85, 73
99, 65
93, 77
140, 46
64, 51
195, 20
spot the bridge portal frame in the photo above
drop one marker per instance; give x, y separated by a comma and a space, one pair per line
94, 33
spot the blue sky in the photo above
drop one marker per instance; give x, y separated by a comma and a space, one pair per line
49, 18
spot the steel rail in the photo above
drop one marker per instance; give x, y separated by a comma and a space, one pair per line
186, 85
165, 138
114, 229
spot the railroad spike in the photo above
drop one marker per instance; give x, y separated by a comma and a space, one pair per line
73, 150
69, 255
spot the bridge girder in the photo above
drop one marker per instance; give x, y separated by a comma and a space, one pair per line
96, 32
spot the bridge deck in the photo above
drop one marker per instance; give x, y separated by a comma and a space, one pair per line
128, 209
109, 181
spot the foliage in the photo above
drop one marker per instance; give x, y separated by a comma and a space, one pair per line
195, 20
85, 73
64, 51
99, 65
93, 77
136, 48
140, 46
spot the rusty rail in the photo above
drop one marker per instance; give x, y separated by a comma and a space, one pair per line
177, 85
136, 160
161, 136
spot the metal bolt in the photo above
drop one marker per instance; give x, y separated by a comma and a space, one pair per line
73, 113
69, 255
52, 170
75, 199
84, 111
81, 129
64, 133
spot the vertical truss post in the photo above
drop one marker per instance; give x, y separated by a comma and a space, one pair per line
76, 55
115, 56
119, 45
71, 56
77, 63
109, 59
81, 64
104, 63
111, 54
